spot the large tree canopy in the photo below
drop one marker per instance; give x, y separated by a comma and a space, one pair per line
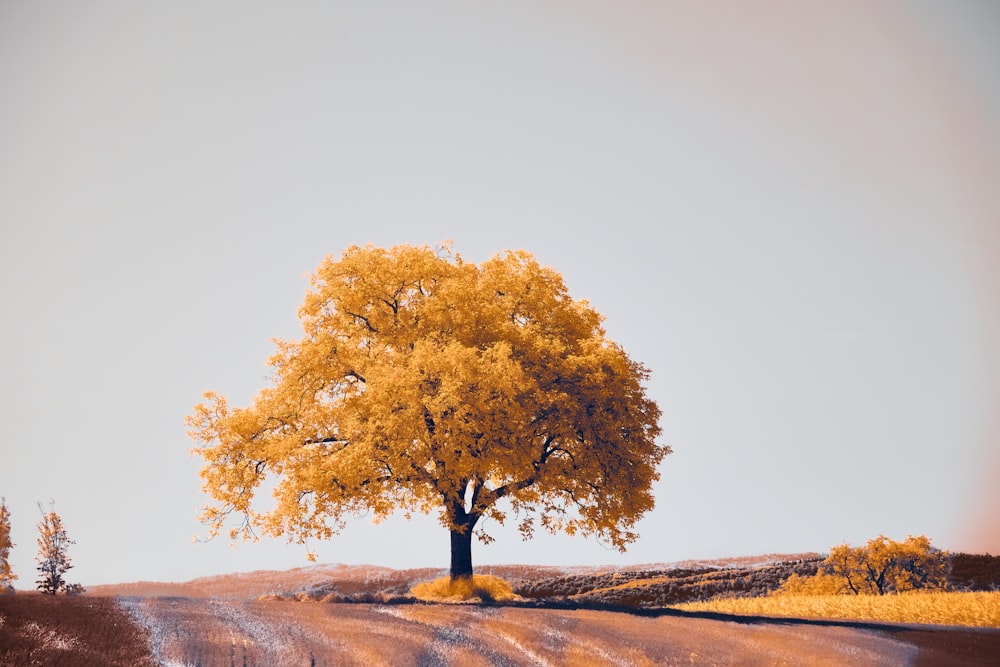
424, 383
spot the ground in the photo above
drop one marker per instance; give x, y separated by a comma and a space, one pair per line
42, 630
363, 615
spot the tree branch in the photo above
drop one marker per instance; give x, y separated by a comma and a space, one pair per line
324, 441
429, 421
364, 319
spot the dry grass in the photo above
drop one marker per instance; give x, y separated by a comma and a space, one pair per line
480, 588
974, 609
315, 580
38, 629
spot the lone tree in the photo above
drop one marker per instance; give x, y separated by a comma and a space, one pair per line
887, 566
7, 577
424, 383
52, 560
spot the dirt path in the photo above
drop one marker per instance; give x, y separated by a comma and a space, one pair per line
216, 632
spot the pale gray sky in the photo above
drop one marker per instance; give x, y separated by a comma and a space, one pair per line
788, 211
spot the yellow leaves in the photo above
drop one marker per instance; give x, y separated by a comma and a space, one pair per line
821, 583
52, 559
980, 609
881, 566
6, 574
419, 376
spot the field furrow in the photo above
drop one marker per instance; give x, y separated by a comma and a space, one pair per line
228, 632
182, 632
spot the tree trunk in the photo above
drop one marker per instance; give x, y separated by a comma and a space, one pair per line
461, 553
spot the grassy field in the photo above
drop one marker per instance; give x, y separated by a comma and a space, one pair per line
38, 629
974, 609
343, 615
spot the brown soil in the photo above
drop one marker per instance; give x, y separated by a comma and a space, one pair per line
955, 648
38, 629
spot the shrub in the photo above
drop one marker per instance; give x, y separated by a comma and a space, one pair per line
483, 587
75, 589
821, 583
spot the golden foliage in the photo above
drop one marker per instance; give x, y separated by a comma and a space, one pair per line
485, 588
820, 583
6, 574
53, 561
981, 609
426, 383
881, 566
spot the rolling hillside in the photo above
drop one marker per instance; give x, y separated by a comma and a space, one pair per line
338, 582
644, 586
599, 616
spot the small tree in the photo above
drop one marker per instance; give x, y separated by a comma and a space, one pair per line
6, 575
886, 566
52, 559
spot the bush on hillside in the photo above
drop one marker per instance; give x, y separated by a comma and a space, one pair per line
481, 587
881, 566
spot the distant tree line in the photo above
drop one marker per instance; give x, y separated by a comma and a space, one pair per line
53, 560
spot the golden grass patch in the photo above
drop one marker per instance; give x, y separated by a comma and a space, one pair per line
482, 587
977, 609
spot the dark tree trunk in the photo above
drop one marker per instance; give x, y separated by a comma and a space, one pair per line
463, 524
461, 553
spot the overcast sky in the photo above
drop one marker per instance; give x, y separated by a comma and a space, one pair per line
789, 211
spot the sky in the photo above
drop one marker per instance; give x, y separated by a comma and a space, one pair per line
788, 211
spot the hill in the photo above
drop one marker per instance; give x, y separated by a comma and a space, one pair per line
609, 615
356, 583
644, 586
